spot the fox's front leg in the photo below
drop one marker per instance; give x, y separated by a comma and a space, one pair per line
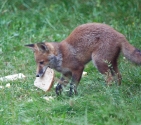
62, 82
76, 76
59, 88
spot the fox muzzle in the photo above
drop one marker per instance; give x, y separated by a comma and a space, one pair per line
41, 72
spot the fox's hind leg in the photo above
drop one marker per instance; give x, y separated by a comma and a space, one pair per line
104, 69
109, 69
115, 72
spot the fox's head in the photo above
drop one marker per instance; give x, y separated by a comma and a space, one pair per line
43, 53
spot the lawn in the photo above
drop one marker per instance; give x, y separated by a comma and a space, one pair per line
30, 21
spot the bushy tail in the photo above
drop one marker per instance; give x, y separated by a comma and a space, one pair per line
130, 52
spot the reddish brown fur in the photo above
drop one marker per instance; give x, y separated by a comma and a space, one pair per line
93, 41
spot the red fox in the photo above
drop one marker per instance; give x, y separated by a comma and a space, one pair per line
92, 41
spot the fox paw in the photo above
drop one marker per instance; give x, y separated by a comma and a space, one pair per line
73, 90
58, 89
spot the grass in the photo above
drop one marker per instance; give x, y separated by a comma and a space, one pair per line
23, 22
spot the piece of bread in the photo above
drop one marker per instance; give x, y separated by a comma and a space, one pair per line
12, 77
46, 81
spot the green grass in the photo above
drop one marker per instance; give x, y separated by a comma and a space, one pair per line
30, 21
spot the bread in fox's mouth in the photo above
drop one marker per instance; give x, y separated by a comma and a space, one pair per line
46, 81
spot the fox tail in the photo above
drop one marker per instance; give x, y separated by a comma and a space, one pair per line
130, 52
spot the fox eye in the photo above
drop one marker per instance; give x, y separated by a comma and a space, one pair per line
42, 62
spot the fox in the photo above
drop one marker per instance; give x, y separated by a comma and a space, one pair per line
91, 41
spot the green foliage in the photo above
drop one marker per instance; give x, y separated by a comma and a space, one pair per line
29, 21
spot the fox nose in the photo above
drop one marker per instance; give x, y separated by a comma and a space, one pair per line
37, 75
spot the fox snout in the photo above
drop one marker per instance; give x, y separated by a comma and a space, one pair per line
39, 74
41, 71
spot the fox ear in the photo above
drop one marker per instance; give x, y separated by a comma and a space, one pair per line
42, 47
31, 46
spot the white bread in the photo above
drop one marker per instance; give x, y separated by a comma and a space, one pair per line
13, 77
45, 82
